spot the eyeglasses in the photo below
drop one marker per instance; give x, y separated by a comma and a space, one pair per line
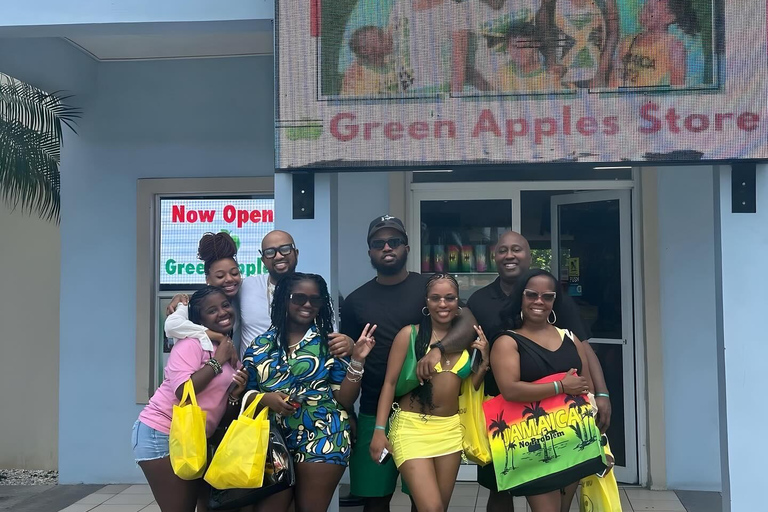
436, 299
533, 295
271, 252
379, 243
299, 299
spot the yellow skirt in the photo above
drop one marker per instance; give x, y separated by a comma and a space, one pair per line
417, 436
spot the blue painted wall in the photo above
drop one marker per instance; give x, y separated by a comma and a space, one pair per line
689, 340
56, 12
744, 245
185, 118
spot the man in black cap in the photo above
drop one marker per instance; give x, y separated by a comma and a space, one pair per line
391, 301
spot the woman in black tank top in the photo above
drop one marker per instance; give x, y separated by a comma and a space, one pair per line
533, 348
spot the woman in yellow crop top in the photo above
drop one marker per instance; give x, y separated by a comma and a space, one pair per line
425, 436
654, 57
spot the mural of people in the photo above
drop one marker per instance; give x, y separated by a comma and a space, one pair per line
655, 56
412, 52
581, 39
372, 72
525, 70
492, 24
427, 48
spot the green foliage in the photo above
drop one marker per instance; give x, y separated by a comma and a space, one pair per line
30, 140
541, 258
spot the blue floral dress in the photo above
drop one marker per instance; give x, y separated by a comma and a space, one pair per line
319, 429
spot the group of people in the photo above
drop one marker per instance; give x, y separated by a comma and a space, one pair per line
274, 334
423, 47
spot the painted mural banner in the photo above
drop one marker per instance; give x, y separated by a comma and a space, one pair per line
545, 445
395, 83
184, 221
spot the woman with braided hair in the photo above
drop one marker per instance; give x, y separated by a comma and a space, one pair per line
219, 255
425, 436
307, 388
208, 366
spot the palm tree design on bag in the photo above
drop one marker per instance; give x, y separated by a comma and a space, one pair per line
585, 432
534, 411
499, 429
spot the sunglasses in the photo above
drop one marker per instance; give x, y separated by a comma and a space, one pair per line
436, 299
299, 299
379, 243
533, 295
271, 252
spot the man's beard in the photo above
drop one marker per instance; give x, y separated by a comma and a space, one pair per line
390, 270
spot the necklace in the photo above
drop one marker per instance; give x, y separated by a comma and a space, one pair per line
436, 340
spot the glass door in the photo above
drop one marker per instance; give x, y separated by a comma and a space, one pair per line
592, 256
455, 229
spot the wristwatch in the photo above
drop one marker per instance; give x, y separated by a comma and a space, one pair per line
438, 345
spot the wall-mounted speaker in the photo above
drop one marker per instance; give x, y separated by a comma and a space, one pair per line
743, 188
303, 195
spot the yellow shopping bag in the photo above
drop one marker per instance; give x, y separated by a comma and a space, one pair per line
240, 458
188, 444
476, 446
600, 494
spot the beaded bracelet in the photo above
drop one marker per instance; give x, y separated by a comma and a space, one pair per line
213, 363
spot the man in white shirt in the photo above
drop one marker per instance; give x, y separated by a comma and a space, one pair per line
280, 257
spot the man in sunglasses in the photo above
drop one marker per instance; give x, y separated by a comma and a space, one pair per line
280, 257
513, 258
391, 301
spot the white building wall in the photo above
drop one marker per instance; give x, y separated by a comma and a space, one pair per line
686, 233
76, 12
362, 197
743, 245
29, 339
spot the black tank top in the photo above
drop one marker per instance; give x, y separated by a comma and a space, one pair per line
537, 362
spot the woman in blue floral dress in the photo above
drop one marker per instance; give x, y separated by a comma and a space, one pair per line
307, 388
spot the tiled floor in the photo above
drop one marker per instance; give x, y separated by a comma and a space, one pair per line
467, 497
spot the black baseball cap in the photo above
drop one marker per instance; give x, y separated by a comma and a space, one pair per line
386, 221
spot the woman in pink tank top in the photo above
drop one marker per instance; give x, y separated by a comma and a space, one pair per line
212, 366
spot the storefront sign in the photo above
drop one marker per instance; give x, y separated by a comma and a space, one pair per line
184, 221
433, 82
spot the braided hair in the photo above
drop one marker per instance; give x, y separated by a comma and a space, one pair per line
214, 247
197, 299
279, 313
424, 393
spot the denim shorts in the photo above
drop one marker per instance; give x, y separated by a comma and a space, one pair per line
148, 443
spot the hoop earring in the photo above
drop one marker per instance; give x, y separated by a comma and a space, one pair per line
551, 322
458, 312
522, 319
425, 311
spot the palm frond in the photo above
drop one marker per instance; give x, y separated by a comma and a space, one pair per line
30, 141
